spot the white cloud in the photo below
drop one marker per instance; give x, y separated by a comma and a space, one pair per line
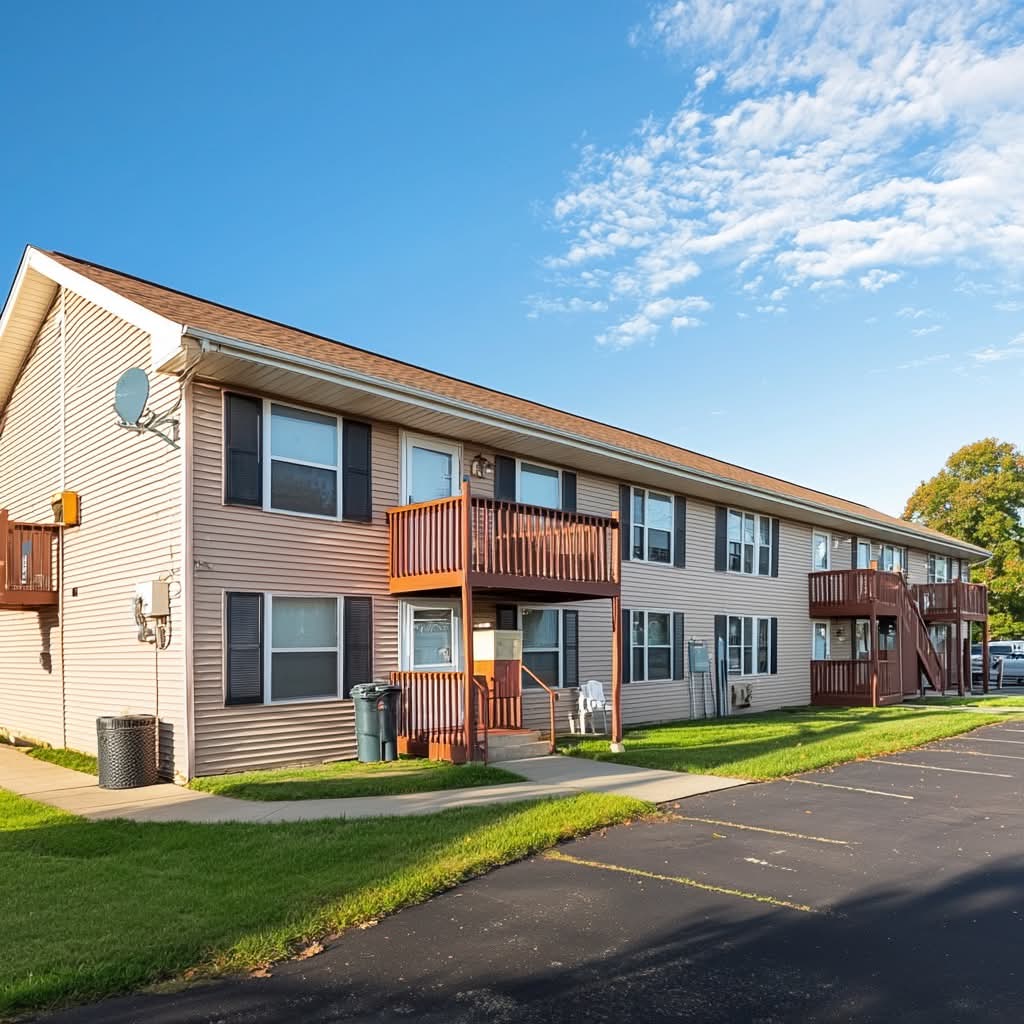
913, 313
771, 308
915, 364
1013, 349
680, 322
876, 280
574, 304
843, 142
921, 332
1010, 307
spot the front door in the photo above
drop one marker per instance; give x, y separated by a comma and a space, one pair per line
432, 469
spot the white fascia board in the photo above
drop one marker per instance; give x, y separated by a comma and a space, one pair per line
426, 400
165, 335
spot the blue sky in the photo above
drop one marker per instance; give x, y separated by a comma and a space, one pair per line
787, 235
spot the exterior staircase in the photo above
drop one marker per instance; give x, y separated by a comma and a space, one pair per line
513, 744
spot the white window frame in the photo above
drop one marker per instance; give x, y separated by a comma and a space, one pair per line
756, 547
410, 440
933, 563
815, 534
406, 646
545, 650
855, 652
859, 541
828, 639
538, 465
645, 612
755, 621
633, 525
894, 549
266, 441
269, 650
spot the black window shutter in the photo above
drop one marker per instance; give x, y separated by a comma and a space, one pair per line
721, 538
678, 646
570, 647
244, 620
679, 552
568, 491
720, 659
243, 473
776, 530
853, 554
356, 455
506, 616
625, 647
357, 645
774, 641
625, 508
504, 478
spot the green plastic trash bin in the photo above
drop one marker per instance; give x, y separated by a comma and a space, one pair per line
376, 721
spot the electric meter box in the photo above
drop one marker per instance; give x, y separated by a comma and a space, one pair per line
65, 507
497, 645
155, 597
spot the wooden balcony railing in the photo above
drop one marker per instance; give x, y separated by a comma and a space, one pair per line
28, 563
849, 682
501, 545
431, 716
849, 592
952, 601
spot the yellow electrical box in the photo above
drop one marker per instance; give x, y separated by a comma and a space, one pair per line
65, 507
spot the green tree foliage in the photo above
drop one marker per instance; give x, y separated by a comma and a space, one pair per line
978, 496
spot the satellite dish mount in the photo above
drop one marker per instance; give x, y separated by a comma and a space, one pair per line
133, 413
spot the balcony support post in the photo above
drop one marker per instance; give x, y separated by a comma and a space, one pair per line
984, 655
958, 660
4, 515
617, 640
469, 716
874, 657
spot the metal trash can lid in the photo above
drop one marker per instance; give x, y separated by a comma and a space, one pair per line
370, 691
111, 722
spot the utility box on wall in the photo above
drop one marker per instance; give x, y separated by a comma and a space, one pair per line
498, 658
65, 507
153, 597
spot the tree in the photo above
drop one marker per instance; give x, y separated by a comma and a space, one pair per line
978, 496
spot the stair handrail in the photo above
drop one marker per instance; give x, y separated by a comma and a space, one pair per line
925, 648
480, 685
552, 697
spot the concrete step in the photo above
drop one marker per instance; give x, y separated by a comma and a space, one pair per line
510, 737
516, 751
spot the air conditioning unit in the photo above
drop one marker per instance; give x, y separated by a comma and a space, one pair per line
742, 694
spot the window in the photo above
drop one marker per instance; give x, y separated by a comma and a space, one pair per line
539, 485
652, 526
886, 635
821, 552
303, 463
863, 554
748, 640
892, 559
862, 639
821, 644
433, 638
939, 569
542, 643
303, 651
651, 644
749, 544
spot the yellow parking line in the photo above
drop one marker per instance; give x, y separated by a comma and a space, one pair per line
691, 883
758, 828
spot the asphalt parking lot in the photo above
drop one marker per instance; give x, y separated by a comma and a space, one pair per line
883, 890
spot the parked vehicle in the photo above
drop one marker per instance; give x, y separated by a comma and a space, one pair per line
1000, 651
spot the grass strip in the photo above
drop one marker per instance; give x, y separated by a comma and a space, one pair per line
73, 759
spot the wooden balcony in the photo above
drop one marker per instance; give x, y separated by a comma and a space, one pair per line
28, 564
853, 593
849, 683
502, 546
955, 601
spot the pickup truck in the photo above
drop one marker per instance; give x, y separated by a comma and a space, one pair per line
999, 651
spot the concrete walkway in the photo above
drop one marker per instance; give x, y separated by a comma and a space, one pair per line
546, 777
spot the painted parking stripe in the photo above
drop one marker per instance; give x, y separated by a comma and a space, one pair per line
977, 753
936, 768
759, 828
992, 739
852, 789
690, 883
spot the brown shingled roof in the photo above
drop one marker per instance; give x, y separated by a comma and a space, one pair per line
217, 319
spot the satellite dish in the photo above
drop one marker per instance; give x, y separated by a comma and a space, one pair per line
131, 395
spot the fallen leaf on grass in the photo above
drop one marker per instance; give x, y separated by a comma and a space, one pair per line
311, 950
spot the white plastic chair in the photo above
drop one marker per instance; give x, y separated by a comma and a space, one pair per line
592, 699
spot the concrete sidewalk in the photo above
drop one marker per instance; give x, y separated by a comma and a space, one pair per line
546, 777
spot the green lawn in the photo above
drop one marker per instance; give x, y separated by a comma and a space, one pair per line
975, 701
74, 759
351, 778
769, 745
91, 908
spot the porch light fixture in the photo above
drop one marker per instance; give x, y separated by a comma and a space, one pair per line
841, 634
481, 467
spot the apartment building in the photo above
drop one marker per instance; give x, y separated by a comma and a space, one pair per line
290, 516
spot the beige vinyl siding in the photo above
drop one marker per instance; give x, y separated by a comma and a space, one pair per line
131, 531
247, 549
31, 703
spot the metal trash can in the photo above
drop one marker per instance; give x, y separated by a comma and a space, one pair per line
376, 721
126, 747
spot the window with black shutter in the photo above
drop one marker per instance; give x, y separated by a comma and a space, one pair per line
243, 471
358, 643
356, 493
244, 643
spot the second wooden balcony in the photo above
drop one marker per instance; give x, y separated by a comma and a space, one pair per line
502, 546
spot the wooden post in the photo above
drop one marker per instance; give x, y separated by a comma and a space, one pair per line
467, 621
616, 567
953, 661
965, 661
874, 656
984, 656
3, 549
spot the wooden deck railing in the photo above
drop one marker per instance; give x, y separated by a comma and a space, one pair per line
842, 591
28, 562
552, 698
431, 715
509, 545
840, 681
951, 601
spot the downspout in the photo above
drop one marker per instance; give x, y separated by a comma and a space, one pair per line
188, 573
62, 345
